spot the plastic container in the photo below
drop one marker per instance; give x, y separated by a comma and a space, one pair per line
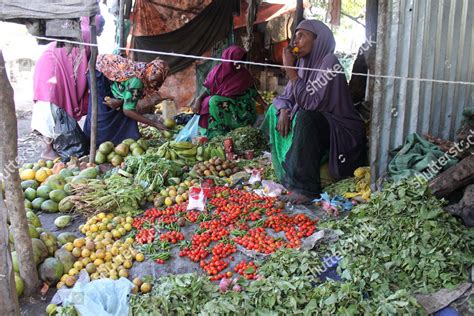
169, 109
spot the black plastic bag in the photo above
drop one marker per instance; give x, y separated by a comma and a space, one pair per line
69, 140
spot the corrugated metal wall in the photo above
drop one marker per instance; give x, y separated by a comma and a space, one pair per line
420, 39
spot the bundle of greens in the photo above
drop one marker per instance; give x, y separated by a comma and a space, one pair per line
115, 194
151, 171
248, 138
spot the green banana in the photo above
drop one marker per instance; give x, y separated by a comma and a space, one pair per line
182, 145
207, 154
168, 155
220, 153
188, 153
200, 151
173, 154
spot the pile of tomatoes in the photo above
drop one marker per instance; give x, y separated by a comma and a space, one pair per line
235, 217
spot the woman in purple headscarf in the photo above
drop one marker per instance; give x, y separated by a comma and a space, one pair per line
229, 99
314, 116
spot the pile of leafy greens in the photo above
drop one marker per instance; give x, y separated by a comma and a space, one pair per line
399, 244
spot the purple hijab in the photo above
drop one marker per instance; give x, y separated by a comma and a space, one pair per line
329, 94
227, 80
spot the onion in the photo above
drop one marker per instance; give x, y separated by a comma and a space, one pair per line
224, 284
237, 288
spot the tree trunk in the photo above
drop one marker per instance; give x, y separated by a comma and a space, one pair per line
13, 192
456, 177
93, 91
8, 298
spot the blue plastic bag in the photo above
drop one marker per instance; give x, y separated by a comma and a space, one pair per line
190, 130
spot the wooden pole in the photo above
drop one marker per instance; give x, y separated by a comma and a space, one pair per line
121, 24
93, 90
8, 298
13, 192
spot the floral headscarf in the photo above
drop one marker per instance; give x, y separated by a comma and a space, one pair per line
119, 69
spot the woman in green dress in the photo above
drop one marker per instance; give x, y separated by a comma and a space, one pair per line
230, 96
125, 91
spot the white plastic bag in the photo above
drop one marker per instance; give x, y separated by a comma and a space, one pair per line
189, 131
104, 297
197, 199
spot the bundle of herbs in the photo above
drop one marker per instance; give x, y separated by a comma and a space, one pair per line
151, 171
115, 194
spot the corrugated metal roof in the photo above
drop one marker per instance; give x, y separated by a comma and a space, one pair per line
420, 39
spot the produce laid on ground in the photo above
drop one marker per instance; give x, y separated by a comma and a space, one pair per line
246, 249
49, 258
217, 167
102, 253
236, 218
115, 155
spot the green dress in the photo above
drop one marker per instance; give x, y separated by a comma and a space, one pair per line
227, 114
130, 91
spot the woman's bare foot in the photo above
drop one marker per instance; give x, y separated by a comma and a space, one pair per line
48, 151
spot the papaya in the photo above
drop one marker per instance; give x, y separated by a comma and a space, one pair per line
66, 258
51, 270
78, 180
36, 203
122, 150
40, 251
100, 158
58, 168
32, 231
29, 184
116, 161
49, 206
143, 143
43, 191
30, 194
49, 241
89, 173
56, 182
106, 148
68, 189
57, 195
29, 205
128, 141
15, 262
63, 221
138, 151
64, 173
111, 156
19, 284
65, 205
66, 237
33, 219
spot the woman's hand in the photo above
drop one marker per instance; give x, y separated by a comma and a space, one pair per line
160, 126
196, 107
115, 104
283, 126
289, 58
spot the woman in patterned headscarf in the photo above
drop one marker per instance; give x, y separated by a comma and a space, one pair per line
125, 90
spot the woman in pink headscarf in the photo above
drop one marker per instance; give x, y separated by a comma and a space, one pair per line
60, 81
229, 99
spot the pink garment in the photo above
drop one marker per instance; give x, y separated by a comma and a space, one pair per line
226, 79
61, 76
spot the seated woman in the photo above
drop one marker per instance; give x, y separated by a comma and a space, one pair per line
125, 90
314, 115
229, 100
